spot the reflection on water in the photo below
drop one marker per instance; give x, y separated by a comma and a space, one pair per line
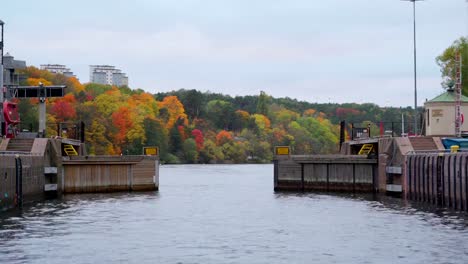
229, 214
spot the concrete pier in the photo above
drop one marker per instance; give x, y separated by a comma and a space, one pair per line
325, 173
110, 173
438, 178
32, 168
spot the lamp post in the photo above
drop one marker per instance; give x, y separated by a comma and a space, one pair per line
415, 81
1, 60
1, 78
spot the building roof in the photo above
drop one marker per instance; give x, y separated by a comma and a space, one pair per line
10, 63
447, 97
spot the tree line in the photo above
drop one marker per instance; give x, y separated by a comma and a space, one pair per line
190, 126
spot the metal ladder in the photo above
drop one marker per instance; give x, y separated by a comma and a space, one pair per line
366, 149
70, 150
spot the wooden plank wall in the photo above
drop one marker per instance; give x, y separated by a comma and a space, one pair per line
96, 178
325, 173
145, 175
287, 175
110, 174
441, 180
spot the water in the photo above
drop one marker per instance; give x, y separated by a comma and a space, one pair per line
230, 214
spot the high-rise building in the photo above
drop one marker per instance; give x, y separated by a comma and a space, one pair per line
107, 74
58, 68
10, 70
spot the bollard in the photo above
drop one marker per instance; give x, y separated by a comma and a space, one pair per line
454, 149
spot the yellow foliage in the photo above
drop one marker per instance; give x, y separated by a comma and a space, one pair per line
309, 112
175, 110
36, 81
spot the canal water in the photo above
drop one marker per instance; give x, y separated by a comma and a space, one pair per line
230, 214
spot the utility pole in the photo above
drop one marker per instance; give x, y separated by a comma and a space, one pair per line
414, 58
2, 122
458, 88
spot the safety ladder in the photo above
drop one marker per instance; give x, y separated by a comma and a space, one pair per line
366, 149
70, 150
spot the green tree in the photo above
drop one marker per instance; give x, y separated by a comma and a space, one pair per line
175, 141
263, 103
190, 150
156, 135
96, 137
220, 113
446, 61
210, 152
192, 101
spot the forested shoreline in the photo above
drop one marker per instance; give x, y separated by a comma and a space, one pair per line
190, 126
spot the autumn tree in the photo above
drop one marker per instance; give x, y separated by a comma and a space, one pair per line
211, 153
223, 137
122, 121
241, 120
64, 108
96, 138
174, 109
199, 140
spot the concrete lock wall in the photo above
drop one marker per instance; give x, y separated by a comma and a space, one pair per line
438, 179
325, 172
110, 173
32, 179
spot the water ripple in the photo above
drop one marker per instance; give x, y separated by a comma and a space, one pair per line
229, 214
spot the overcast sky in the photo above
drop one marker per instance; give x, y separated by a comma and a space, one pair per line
319, 51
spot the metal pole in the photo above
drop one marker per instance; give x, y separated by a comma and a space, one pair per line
415, 75
415, 81
1, 79
42, 111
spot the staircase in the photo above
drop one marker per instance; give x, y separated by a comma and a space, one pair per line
20, 144
423, 143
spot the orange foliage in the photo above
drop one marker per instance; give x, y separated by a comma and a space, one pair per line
63, 110
175, 110
181, 130
75, 85
69, 98
309, 112
244, 115
223, 137
122, 120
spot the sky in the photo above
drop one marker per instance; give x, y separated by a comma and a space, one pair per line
333, 51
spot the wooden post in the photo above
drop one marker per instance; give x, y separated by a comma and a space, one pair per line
302, 176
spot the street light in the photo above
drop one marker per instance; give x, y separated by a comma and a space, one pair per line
1, 77
415, 82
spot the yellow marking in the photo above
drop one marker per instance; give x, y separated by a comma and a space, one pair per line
70, 150
454, 148
366, 149
282, 150
150, 151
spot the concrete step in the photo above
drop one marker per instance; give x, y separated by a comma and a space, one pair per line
20, 144
423, 143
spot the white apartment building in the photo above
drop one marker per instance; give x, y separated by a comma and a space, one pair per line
58, 68
107, 74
